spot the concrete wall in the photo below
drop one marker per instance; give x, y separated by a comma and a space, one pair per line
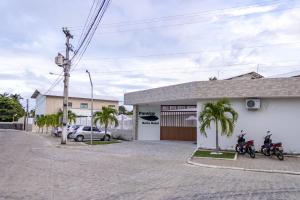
280, 116
148, 130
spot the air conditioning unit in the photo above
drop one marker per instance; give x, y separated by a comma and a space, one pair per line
253, 104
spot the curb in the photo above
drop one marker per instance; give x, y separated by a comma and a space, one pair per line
189, 161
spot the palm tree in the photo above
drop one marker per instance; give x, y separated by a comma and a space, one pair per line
106, 117
48, 121
71, 117
40, 122
221, 113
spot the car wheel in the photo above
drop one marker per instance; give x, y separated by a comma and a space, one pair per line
106, 138
69, 135
79, 138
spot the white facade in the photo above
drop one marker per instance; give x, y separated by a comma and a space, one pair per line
148, 130
40, 107
281, 116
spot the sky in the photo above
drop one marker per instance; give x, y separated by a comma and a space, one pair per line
147, 43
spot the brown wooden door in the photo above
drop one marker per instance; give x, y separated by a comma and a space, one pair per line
178, 133
178, 125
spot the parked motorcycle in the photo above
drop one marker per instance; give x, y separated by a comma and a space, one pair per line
269, 148
243, 147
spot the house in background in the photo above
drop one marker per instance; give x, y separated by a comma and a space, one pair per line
250, 75
80, 104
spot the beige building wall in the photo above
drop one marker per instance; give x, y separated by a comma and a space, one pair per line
53, 104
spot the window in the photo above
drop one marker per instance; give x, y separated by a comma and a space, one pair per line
111, 106
96, 129
70, 104
86, 128
84, 105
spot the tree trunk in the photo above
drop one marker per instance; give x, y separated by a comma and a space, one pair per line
105, 128
217, 137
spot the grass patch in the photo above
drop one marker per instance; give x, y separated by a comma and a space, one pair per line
99, 142
207, 154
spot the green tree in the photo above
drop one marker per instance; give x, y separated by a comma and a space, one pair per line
40, 122
106, 117
220, 113
72, 117
48, 122
122, 110
31, 113
10, 107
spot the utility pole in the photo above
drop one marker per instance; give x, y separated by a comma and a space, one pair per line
25, 117
27, 110
92, 108
65, 62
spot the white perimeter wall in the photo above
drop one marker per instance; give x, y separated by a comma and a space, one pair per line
149, 131
280, 116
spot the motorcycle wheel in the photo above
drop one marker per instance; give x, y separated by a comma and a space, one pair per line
279, 155
252, 153
237, 149
265, 152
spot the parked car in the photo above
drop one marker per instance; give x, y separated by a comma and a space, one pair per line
72, 129
84, 133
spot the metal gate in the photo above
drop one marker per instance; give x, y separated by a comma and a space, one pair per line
178, 125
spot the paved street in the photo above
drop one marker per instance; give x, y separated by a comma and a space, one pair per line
31, 167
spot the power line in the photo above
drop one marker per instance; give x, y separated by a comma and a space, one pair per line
86, 22
89, 29
199, 13
234, 66
93, 30
194, 52
185, 23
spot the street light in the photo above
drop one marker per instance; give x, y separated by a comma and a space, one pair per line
92, 100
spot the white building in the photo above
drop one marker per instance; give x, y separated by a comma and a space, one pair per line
277, 101
80, 104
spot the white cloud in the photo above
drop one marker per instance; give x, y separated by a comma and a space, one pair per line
218, 42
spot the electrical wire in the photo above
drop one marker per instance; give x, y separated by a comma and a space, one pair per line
180, 16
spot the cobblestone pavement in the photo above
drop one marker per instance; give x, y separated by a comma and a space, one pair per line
260, 162
31, 167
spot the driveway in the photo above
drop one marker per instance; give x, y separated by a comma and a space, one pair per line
31, 167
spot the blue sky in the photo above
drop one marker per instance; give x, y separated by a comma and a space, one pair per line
147, 43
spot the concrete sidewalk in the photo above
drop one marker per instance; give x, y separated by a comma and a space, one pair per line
261, 163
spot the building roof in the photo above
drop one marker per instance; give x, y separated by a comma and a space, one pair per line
73, 95
250, 75
289, 74
235, 88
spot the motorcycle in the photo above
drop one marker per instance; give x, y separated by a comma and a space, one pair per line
243, 147
269, 148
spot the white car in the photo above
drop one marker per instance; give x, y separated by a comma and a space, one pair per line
84, 133
72, 129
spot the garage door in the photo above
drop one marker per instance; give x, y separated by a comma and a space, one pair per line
178, 125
